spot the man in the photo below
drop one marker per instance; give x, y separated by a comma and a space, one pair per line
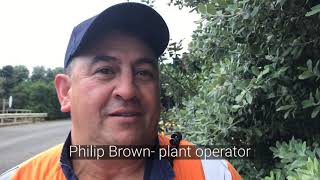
111, 88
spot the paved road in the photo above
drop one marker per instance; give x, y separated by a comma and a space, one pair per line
19, 143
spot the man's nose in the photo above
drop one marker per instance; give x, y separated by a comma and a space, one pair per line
126, 88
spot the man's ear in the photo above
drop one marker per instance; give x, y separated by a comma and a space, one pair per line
62, 82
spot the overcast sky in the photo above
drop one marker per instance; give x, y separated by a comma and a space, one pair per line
36, 32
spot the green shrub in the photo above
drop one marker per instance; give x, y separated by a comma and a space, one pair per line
297, 161
251, 78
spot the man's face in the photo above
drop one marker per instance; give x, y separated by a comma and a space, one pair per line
114, 92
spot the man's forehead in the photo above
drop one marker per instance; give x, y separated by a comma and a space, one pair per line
102, 49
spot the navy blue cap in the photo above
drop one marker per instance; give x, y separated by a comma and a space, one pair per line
136, 18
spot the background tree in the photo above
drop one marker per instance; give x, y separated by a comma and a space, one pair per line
36, 93
254, 66
7, 75
38, 74
21, 95
1, 87
51, 73
20, 73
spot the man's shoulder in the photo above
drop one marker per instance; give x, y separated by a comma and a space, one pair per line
48, 158
211, 168
8, 174
219, 168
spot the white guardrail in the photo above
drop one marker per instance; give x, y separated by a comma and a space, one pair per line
18, 117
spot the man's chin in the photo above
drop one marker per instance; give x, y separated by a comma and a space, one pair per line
126, 137
131, 138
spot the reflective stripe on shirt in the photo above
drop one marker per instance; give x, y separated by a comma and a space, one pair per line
216, 169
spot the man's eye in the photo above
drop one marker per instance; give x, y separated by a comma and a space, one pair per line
105, 71
145, 75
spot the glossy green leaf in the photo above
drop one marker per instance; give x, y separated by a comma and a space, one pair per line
255, 70
285, 107
315, 112
236, 107
202, 8
317, 95
222, 3
211, 9
249, 98
306, 75
309, 65
307, 103
255, 11
314, 10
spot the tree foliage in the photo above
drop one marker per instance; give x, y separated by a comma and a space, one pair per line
36, 92
298, 161
254, 66
8, 81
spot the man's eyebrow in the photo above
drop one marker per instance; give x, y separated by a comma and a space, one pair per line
102, 58
152, 61
105, 58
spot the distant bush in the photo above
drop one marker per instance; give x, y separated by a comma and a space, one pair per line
36, 92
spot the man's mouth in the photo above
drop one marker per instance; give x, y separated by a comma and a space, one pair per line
125, 113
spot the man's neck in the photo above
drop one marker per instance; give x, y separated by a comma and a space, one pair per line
108, 169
